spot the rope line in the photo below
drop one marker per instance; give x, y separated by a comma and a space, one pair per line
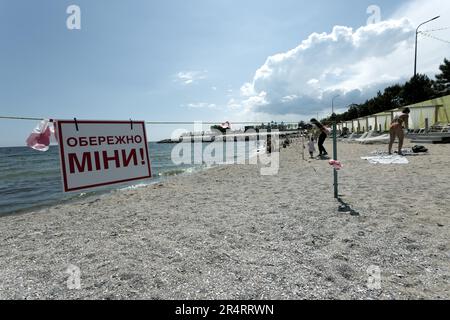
158, 122
20, 118
434, 30
435, 38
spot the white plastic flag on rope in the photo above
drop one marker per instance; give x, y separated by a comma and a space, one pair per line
226, 125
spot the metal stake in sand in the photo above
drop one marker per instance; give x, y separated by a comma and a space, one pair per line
336, 192
303, 147
334, 117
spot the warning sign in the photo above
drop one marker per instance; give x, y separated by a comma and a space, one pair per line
100, 153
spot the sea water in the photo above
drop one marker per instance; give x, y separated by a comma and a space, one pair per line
31, 179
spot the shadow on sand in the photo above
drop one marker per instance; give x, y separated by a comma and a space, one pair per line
346, 208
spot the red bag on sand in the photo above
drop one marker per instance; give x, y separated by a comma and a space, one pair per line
336, 164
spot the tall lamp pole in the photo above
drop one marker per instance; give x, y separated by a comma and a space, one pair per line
417, 33
332, 102
333, 116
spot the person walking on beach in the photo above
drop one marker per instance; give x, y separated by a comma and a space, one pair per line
311, 147
322, 137
399, 123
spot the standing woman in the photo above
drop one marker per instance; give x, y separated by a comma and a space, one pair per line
322, 137
399, 123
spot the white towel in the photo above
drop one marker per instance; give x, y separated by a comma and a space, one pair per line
393, 159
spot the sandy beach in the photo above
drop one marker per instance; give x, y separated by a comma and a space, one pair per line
230, 233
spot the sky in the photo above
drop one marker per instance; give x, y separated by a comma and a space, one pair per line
205, 60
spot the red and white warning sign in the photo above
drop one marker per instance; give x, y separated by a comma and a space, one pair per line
100, 153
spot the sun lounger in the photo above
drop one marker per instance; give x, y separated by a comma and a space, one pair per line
349, 138
357, 138
366, 136
385, 138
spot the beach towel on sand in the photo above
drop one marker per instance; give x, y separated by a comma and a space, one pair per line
389, 159
405, 153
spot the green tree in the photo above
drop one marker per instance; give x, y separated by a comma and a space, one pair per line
419, 88
442, 84
363, 110
353, 112
392, 98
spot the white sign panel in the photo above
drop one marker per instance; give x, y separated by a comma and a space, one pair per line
100, 153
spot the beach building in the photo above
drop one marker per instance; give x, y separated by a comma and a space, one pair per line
433, 113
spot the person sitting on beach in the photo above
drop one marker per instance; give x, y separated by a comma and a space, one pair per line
311, 147
286, 143
345, 133
399, 123
322, 137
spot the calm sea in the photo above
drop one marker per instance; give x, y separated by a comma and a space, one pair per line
31, 179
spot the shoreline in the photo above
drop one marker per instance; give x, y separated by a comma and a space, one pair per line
230, 233
80, 197
60, 197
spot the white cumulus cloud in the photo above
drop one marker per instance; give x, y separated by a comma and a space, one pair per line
190, 77
200, 105
352, 63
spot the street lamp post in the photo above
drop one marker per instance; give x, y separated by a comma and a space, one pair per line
333, 116
332, 103
417, 33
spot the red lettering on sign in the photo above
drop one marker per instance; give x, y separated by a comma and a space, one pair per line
107, 159
93, 141
72, 142
120, 140
89, 163
131, 156
97, 161
86, 161
99, 141
84, 142
142, 156
137, 139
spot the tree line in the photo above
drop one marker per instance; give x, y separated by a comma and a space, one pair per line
419, 88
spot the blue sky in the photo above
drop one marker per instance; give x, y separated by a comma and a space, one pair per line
154, 60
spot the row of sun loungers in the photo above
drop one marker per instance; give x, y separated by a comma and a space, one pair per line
371, 137
437, 128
